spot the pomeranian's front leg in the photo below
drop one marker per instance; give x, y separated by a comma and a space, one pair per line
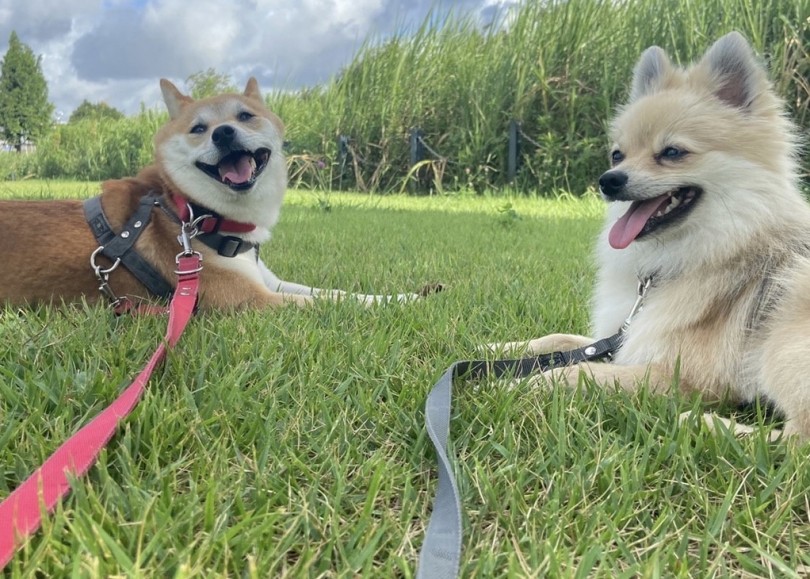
544, 345
629, 378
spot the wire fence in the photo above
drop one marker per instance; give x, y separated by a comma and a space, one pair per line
423, 171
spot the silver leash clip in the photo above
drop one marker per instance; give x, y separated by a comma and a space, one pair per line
643, 286
103, 276
188, 231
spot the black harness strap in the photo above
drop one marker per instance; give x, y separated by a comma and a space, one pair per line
121, 245
227, 245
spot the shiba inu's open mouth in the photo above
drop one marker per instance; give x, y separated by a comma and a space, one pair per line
644, 217
238, 169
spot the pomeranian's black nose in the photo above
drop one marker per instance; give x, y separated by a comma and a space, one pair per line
611, 183
223, 136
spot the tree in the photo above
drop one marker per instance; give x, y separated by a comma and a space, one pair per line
95, 111
25, 113
208, 83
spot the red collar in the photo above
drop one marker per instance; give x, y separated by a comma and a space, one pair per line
213, 224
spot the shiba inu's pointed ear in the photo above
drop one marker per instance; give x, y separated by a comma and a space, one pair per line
735, 73
174, 99
650, 69
252, 89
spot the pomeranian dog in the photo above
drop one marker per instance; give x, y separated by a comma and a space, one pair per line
703, 207
219, 167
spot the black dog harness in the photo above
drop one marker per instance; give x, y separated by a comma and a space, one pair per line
120, 247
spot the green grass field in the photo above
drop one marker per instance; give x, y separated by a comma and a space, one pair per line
291, 442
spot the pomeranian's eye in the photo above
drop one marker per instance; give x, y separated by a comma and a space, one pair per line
672, 153
616, 157
198, 129
244, 116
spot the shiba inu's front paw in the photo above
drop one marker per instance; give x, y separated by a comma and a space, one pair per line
430, 288
373, 300
567, 376
400, 298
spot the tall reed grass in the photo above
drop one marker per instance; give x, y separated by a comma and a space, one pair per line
558, 67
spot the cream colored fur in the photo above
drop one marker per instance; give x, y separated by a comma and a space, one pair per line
730, 302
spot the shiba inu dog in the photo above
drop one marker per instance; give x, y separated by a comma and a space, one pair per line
218, 166
704, 205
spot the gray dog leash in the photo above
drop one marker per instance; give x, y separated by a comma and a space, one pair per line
441, 550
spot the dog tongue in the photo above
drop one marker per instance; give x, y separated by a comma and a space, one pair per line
236, 171
629, 225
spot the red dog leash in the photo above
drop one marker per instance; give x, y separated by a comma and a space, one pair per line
21, 511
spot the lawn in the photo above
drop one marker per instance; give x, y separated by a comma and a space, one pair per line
292, 442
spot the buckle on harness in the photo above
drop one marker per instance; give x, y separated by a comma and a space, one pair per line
230, 246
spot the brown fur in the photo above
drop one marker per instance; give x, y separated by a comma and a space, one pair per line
47, 244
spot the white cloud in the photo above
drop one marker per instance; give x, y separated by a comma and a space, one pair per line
116, 50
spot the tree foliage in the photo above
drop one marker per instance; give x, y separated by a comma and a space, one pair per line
25, 113
95, 111
206, 83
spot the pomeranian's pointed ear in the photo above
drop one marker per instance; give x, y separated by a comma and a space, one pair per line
174, 99
252, 89
649, 70
736, 75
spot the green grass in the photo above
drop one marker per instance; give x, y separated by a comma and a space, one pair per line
291, 442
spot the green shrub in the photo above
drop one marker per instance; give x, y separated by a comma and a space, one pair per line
93, 150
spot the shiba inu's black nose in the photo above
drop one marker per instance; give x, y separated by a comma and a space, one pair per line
223, 136
611, 183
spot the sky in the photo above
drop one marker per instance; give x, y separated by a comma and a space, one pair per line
115, 51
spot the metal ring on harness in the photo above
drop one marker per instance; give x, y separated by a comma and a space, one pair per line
97, 268
119, 247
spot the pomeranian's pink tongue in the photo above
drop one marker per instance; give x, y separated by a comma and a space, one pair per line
629, 225
236, 172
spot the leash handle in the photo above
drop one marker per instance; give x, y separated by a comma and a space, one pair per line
440, 556
21, 511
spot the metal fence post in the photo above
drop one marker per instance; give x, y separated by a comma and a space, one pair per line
417, 154
343, 156
513, 158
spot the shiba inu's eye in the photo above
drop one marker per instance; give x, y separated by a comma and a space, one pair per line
616, 157
244, 116
672, 153
198, 129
